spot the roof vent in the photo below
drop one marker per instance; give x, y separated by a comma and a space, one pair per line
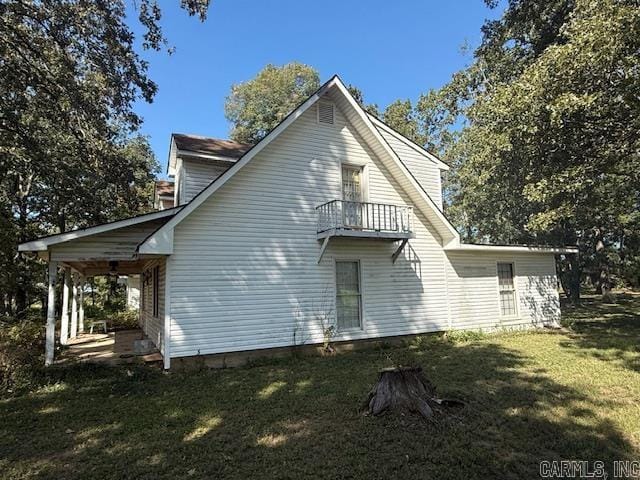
325, 113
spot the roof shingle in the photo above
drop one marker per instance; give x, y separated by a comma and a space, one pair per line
210, 146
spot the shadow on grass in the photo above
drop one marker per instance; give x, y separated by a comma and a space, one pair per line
298, 418
608, 331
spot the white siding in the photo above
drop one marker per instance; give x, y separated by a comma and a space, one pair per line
473, 289
244, 272
153, 326
424, 170
198, 174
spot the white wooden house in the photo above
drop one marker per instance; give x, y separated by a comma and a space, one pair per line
333, 214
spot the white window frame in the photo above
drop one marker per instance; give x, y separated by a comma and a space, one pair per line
361, 328
364, 178
516, 295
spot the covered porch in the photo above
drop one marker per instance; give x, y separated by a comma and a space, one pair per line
113, 348
76, 256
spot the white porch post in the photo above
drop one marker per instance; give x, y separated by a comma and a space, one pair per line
166, 337
81, 306
74, 305
64, 328
51, 315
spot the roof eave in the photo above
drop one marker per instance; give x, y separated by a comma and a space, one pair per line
42, 244
469, 247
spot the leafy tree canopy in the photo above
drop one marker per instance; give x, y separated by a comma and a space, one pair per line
400, 116
547, 151
359, 97
257, 106
69, 152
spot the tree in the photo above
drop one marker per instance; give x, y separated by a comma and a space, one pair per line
400, 116
69, 156
546, 152
357, 94
257, 106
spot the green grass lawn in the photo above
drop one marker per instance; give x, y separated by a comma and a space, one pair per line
536, 396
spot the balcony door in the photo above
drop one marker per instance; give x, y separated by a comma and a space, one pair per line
352, 196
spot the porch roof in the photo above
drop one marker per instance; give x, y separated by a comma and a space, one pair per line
107, 248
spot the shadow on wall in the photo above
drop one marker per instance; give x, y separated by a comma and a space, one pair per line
541, 299
410, 258
296, 418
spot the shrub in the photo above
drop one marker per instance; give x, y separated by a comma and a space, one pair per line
125, 319
463, 336
21, 354
118, 319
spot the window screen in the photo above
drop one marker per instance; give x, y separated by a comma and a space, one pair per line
348, 301
507, 290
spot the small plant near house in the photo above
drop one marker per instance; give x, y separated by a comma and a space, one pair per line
327, 334
322, 313
464, 336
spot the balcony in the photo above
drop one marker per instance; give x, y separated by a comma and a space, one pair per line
340, 218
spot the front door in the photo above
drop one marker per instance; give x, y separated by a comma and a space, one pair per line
351, 196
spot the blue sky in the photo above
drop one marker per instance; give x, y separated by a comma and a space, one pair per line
389, 49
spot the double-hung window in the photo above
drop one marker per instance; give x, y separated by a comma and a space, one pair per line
348, 295
507, 289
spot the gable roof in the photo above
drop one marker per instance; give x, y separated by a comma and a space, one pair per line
43, 243
183, 144
210, 146
161, 241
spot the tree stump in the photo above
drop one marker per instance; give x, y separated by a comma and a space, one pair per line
405, 389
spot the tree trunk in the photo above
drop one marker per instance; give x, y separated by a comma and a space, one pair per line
570, 274
21, 301
405, 389
575, 273
604, 279
9, 304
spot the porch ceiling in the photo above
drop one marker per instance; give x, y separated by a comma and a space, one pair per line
90, 268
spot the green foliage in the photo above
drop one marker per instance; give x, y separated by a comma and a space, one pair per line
424, 342
21, 354
400, 116
107, 300
548, 150
69, 152
255, 107
357, 94
464, 336
119, 319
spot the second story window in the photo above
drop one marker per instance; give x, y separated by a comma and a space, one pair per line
352, 196
351, 183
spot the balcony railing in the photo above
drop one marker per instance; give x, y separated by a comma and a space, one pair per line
374, 218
